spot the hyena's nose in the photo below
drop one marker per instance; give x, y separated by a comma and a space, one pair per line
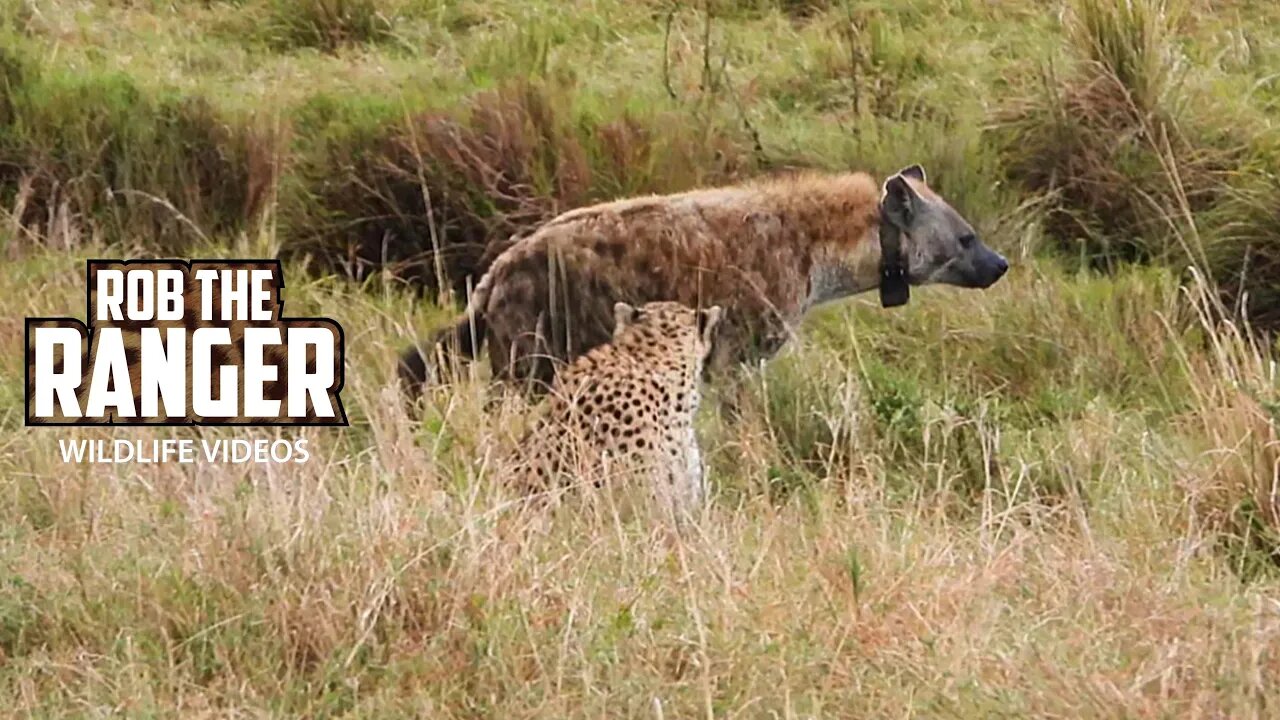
1002, 267
992, 268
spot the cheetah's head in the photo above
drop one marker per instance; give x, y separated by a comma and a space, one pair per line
655, 321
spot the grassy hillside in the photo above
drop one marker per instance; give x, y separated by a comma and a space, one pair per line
1054, 498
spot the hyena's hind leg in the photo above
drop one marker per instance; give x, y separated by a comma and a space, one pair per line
524, 360
442, 358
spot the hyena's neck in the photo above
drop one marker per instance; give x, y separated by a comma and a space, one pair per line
838, 218
833, 275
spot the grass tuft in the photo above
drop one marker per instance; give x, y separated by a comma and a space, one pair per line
432, 198
158, 169
326, 25
1135, 42
1234, 422
1108, 145
1244, 252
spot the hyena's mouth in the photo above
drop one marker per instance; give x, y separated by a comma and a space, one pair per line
952, 273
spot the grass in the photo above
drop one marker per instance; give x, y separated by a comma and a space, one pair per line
1141, 159
905, 521
326, 24
1053, 498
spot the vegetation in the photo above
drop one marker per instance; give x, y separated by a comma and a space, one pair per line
1054, 498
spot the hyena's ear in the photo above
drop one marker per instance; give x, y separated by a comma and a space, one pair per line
898, 201
623, 315
707, 321
915, 172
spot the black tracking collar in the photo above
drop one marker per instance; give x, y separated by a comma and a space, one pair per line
894, 289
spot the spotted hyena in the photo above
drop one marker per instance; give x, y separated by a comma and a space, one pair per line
765, 251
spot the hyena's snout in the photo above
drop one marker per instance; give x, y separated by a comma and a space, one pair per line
989, 266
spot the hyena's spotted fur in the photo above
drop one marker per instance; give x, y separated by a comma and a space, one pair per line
765, 251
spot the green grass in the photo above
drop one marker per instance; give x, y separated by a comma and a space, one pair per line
1053, 498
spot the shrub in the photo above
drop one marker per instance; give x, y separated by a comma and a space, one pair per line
437, 196
144, 167
1108, 145
325, 25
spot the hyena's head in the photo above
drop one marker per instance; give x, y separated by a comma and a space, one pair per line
938, 246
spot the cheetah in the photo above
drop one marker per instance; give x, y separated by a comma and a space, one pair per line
627, 407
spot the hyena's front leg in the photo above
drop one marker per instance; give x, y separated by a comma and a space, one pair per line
724, 370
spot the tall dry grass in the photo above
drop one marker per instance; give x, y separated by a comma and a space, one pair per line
1055, 498
921, 558
1234, 421
1137, 165
433, 197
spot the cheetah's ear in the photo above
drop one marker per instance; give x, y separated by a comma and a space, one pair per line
707, 321
623, 315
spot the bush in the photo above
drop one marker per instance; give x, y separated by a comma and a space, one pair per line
437, 196
142, 167
1108, 146
326, 24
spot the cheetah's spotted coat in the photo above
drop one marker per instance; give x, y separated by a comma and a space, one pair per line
627, 407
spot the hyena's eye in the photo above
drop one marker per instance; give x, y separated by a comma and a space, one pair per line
967, 240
